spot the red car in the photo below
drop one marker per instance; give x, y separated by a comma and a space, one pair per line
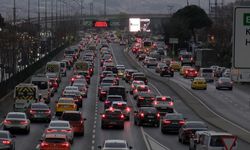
190, 73
75, 119
55, 141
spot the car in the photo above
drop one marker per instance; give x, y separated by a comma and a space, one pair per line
226, 73
65, 104
103, 74
63, 66
128, 74
164, 104
189, 128
54, 141
138, 74
110, 99
16, 120
80, 81
172, 122
60, 127
76, 121
112, 117
147, 115
123, 107
75, 77
190, 73
140, 78
83, 89
118, 90
135, 84
159, 66
141, 88
224, 83
167, 70
151, 62
103, 91
54, 85
142, 56
145, 99
199, 83
115, 144
39, 111
111, 80
7, 140
183, 69
76, 95
175, 65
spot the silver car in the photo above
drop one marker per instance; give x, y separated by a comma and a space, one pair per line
17, 120
115, 145
7, 140
60, 127
224, 83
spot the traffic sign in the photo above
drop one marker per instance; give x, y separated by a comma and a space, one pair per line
229, 141
173, 40
241, 36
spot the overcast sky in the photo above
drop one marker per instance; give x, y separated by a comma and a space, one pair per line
113, 6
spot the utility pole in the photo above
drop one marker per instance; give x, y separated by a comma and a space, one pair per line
14, 13
105, 8
81, 7
187, 3
28, 10
38, 15
51, 13
56, 13
46, 21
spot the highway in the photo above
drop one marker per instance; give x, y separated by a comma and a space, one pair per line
141, 138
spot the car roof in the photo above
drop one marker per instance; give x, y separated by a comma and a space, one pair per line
58, 121
119, 102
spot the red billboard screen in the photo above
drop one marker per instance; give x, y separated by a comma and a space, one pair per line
101, 24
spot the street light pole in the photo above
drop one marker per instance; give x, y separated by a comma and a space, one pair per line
28, 10
14, 13
105, 8
187, 3
46, 21
38, 5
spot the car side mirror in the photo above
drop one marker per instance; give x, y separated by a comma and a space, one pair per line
99, 147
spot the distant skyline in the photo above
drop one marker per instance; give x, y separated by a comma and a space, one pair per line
113, 6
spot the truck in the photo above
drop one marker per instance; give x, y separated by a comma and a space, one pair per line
240, 75
53, 68
81, 67
24, 95
205, 58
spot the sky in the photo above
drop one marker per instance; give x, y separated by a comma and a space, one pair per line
113, 6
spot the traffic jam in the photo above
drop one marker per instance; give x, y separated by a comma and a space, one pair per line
125, 93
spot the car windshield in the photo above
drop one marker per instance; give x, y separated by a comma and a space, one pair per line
16, 116
59, 124
149, 110
115, 145
55, 140
115, 98
225, 79
3, 135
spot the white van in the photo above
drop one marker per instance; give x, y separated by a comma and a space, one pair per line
207, 73
211, 140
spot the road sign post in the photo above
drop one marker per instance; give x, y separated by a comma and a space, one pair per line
241, 36
173, 41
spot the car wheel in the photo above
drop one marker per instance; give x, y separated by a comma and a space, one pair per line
161, 75
172, 75
179, 139
27, 131
182, 140
81, 133
231, 88
128, 118
135, 123
163, 131
103, 127
122, 127
157, 125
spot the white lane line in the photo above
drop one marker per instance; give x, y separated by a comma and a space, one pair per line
230, 122
166, 148
92, 148
93, 142
144, 138
153, 86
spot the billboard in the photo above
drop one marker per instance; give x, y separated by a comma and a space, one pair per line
139, 24
100, 24
134, 24
241, 41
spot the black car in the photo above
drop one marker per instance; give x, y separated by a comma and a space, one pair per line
7, 140
39, 111
112, 118
118, 90
128, 74
147, 115
167, 71
110, 99
189, 129
172, 122
145, 99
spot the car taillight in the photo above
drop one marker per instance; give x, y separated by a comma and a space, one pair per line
81, 122
186, 72
48, 111
128, 109
24, 122
132, 86
171, 103
103, 92
66, 144
7, 122
67, 130
181, 58
181, 122
158, 115
122, 116
166, 121
43, 144
155, 102
152, 98
72, 79
142, 115
141, 98
107, 102
32, 112
6, 142
51, 130
135, 90
103, 116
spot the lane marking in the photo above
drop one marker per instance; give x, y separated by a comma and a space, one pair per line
166, 148
209, 109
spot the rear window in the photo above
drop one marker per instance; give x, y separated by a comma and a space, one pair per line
147, 44
186, 56
115, 98
116, 90
149, 110
207, 70
174, 117
71, 116
59, 124
108, 112
216, 141
19, 116
115, 145
119, 106
3, 135
55, 140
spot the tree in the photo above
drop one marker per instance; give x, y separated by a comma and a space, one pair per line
184, 22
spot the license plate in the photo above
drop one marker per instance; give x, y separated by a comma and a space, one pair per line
150, 116
112, 123
175, 123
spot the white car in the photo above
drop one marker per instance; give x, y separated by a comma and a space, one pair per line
115, 145
17, 120
122, 105
60, 127
164, 104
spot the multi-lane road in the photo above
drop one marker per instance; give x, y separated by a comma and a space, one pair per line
141, 138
